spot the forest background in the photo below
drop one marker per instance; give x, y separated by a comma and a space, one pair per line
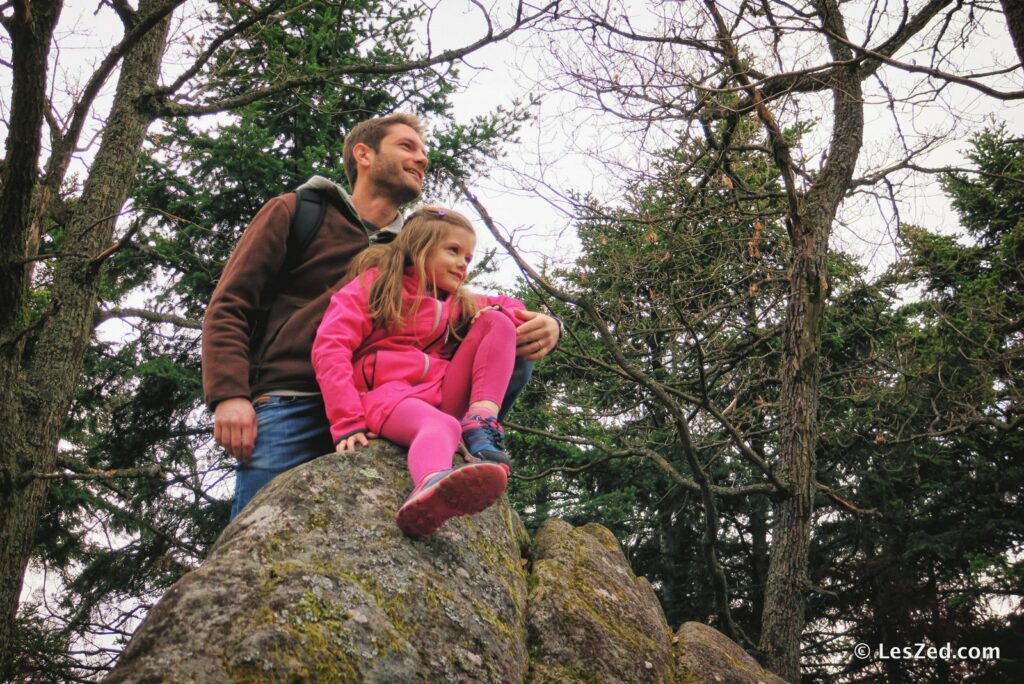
790, 383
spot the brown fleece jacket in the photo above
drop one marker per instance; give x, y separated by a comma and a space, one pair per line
247, 351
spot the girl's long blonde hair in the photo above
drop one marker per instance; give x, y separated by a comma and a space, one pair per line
423, 230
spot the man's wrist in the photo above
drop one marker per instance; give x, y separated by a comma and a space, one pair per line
213, 404
561, 328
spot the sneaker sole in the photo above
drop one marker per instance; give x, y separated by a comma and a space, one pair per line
467, 490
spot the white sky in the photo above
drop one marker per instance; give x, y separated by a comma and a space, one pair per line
562, 133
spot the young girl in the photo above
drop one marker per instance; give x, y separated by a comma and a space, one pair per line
405, 351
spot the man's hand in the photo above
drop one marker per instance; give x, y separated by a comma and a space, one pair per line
349, 443
234, 427
537, 336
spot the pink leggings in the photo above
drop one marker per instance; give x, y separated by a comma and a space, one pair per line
480, 371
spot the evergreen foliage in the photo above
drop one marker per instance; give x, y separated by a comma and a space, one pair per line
686, 271
920, 414
936, 443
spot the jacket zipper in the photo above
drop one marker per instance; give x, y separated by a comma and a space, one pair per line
443, 337
426, 366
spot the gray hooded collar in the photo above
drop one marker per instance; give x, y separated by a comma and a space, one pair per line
337, 193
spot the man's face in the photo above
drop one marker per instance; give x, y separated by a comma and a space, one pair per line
396, 170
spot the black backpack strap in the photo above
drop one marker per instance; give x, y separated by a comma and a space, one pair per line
382, 237
310, 208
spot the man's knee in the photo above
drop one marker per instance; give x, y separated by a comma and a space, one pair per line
521, 374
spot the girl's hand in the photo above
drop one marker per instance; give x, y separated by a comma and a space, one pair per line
349, 443
492, 307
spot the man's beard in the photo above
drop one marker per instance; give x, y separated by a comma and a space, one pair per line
389, 178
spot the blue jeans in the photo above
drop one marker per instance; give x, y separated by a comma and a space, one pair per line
521, 374
293, 430
289, 432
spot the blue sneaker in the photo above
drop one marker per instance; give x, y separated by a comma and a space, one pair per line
485, 440
462, 490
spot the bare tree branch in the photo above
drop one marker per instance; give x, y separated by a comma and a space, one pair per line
158, 105
152, 316
660, 461
93, 474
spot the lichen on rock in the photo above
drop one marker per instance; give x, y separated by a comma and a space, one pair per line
313, 581
703, 655
589, 618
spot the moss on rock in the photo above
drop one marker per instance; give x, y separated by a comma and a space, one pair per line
589, 619
703, 655
313, 582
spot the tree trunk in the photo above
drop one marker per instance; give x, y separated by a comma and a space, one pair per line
783, 617
758, 508
38, 387
1014, 12
785, 593
759, 550
31, 30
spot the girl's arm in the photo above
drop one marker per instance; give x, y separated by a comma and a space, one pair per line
344, 327
536, 333
507, 305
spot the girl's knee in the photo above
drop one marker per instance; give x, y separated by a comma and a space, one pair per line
440, 426
496, 322
451, 425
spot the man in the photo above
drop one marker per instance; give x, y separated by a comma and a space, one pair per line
259, 327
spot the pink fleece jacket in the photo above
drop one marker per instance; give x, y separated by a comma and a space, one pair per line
364, 372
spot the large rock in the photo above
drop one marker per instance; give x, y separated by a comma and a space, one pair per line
314, 582
590, 619
704, 655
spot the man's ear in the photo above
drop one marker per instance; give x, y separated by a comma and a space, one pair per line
362, 153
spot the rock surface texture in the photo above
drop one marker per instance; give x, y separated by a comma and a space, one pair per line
589, 618
703, 654
314, 582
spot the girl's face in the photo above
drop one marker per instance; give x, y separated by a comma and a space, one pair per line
448, 262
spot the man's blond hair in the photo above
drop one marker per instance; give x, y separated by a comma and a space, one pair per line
370, 133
